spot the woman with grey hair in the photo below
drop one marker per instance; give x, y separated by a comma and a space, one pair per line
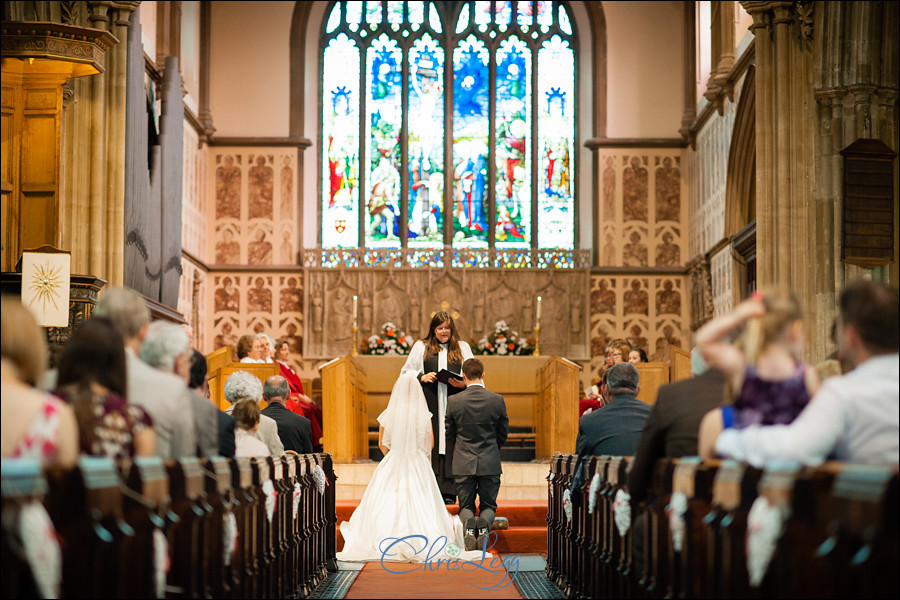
242, 385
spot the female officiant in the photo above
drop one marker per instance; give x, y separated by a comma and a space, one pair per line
441, 349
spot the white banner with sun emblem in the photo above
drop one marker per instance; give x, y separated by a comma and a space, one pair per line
45, 286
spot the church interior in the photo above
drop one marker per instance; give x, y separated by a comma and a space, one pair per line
333, 173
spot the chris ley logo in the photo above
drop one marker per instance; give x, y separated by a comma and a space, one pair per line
432, 556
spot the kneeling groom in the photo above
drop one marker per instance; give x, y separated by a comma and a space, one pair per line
478, 425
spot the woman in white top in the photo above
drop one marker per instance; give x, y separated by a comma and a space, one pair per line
250, 348
441, 349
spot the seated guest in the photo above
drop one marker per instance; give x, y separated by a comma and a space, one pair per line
267, 348
224, 422
637, 355
91, 378
769, 382
160, 394
619, 350
671, 427
242, 385
33, 424
615, 428
246, 424
597, 397
299, 402
167, 348
854, 417
293, 429
249, 349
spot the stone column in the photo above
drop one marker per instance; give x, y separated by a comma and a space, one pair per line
826, 77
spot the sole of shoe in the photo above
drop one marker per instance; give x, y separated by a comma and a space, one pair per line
471, 536
481, 533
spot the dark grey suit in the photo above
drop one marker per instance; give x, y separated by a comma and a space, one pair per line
477, 425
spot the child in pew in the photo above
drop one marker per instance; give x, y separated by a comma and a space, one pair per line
767, 381
246, 422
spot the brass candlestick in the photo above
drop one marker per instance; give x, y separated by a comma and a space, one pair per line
537, 340
354, 351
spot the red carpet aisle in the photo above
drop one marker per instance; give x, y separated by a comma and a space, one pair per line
512, 569
470, 580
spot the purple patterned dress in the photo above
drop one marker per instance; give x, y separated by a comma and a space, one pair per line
763, 402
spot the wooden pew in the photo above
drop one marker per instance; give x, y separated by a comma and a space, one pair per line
330, 507
657, 570
243, 565
861, 551
263, 541
217, 580
86, 506
620, 559
146, 509
309, 491
110, 515
734, 490
23, 483
839, 537
188, 552
599, 465
694, 479
554, 514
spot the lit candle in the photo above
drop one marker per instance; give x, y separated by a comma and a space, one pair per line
537, 316
355, 312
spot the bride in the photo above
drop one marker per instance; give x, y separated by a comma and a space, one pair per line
402, 516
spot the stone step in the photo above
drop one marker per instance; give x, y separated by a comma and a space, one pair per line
520, 481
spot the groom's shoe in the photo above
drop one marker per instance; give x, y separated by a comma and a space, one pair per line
481, 532
471, 535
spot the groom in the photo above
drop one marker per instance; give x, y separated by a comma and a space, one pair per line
478, 424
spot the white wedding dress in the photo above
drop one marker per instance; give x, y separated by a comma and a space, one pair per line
402, 516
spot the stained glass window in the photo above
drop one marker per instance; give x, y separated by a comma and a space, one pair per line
448, 127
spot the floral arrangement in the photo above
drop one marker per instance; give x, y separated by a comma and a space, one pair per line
390, 341
503, 342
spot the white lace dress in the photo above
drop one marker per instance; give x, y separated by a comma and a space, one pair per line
402, 516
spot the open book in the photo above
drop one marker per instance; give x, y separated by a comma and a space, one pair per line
444, 375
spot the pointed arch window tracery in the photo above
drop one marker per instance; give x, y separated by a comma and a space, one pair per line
448, 131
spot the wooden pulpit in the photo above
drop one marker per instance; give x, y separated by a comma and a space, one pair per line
555, 412
344, 410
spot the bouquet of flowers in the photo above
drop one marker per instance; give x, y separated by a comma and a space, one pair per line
390, 341
503, 342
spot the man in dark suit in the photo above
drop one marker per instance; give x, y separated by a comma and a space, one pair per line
671, 428
294, 430
477, 425
615, 428
670, 432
